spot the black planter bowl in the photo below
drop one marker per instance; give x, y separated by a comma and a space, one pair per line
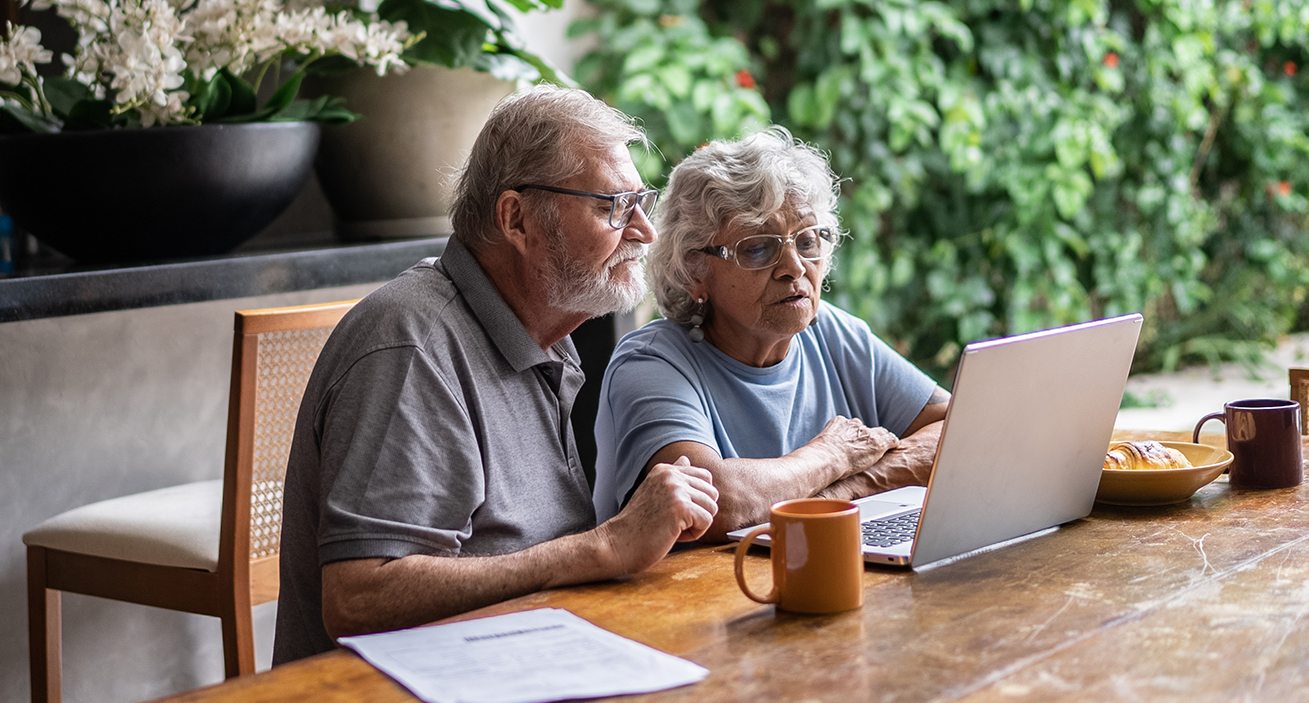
157, 193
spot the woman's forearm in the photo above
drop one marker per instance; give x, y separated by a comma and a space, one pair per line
909, 464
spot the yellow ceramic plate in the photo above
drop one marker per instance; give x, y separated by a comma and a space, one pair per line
1164, 486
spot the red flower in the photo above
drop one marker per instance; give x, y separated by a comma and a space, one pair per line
1283, 188
1111, 60
744, 79
1289, 68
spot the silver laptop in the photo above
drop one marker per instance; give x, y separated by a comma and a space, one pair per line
1021, 450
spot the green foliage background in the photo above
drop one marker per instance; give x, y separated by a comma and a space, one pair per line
1011, 166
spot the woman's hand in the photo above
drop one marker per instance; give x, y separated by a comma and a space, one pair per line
748, 487
853, 445
909, 464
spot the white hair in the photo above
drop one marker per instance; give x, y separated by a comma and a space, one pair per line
541, 136
732, 184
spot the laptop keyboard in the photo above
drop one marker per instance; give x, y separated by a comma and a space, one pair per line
884, 533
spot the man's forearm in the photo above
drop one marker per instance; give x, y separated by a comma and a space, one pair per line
676, 502
374, 595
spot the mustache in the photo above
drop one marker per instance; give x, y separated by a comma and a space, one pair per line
627, 250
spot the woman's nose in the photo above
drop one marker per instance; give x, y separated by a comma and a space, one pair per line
789, 264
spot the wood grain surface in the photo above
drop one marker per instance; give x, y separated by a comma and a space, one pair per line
1205, 600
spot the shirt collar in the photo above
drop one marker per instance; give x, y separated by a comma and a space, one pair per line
496, 317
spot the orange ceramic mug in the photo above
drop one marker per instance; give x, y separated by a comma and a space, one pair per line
818, 564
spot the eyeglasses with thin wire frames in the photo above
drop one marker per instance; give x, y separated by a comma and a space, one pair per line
761, 251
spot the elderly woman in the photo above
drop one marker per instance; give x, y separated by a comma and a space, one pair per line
749, 375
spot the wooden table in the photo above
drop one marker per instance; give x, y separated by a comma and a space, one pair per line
1206, 600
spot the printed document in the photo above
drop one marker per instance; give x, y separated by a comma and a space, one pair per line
530, 657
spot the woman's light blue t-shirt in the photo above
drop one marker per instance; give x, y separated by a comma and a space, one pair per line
660, 388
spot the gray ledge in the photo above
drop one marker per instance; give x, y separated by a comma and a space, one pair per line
47, 289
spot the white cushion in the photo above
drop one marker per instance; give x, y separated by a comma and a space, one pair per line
175, 526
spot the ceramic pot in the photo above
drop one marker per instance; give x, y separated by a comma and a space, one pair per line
391, 173
159, 193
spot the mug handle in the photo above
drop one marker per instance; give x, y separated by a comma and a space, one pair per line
1195, 436
740, 574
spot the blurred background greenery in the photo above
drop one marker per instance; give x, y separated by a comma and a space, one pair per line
1011, 165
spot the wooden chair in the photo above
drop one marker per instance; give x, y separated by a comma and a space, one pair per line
209, 547
1300, 394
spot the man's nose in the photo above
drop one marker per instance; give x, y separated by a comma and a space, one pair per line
640, 227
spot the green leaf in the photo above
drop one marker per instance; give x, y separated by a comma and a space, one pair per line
677, 79
63, 93
90, 114
702, 97
726, 115
296, 111
1071, 141
643, 59
285, 93
486, 11
213, 99
243, 94
852, 33
454, 38
506, 67
547, 71
800, 105
685, 123
272, 111
827, 93
649, 162
324, 109
16, 120
581, 27
335, 65
529, 5
1070, 190
1072, 238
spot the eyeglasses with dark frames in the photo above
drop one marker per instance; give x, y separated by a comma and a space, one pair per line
761, 251
621, 205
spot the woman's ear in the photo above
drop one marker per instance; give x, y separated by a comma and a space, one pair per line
698, 290
511, 218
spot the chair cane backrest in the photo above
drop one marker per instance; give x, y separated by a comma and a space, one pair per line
274, 352
283, 364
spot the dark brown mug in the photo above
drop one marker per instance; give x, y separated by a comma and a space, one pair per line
1263, 435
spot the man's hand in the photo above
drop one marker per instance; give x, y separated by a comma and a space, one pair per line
676, 503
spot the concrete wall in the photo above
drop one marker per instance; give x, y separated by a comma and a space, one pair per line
103, 405
109, 404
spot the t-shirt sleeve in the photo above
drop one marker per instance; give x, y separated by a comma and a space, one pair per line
400, 468
648, 402
901, 389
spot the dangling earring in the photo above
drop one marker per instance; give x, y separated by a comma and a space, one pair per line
696, 334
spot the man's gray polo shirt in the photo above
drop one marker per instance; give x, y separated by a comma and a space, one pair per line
432, 424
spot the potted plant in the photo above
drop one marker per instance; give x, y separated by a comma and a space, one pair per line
154, 143
389, 174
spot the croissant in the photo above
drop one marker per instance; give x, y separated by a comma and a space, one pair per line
1145, 454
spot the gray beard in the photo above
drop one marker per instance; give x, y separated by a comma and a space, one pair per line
572, 287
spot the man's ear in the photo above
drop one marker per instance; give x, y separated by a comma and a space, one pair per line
511, 217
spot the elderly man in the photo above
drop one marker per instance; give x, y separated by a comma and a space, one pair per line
433, 469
